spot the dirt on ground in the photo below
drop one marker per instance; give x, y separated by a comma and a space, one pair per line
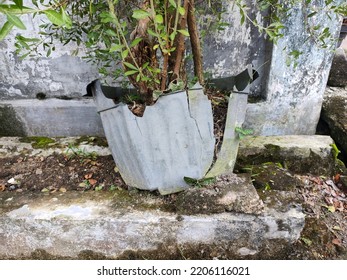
58, 172
324, 199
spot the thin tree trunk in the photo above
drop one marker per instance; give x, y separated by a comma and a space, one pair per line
180, 43
164, 72
195, 42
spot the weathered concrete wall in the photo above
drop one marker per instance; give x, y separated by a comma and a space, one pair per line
59, 75
225, 53
295, 92
291, 97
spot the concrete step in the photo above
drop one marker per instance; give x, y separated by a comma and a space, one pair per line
334, 113
103, 225
298, 153
116, 225
49, 117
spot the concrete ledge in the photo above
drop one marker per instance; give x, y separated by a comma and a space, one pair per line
15, 146
298, 153
50, 117
334, 113
118, 225
71, 225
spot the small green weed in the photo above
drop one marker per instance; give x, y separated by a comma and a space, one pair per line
73, 152
99, 188
243, 132
39, 142
199, 182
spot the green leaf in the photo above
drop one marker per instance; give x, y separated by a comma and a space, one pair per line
311, 14
19, 3
15, 21
242, 13
111, 33
152, 33
140, 14
190, 181
172, 36
145, 65
159, 19
129, 65
7, 27
242, 132
135, 42
116, 48
207, 181
66, 19
199, 182
184, 32
13, 9
29, 40
182, 11
307, 241
49, 52
173, 3
125, 54
54, 17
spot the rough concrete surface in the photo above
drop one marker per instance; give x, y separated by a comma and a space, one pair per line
50, 117
17, 146
229, 192
338, 71
298, 153
334, 113
68, 225
86, 225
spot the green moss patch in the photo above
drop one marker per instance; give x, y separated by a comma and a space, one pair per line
92, 140
39, 142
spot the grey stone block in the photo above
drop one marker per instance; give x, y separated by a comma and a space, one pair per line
50, 117
334, 113
70, 224
338, 71
298, 153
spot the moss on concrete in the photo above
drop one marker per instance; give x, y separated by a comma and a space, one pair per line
39, 142
10, 125
92, 140
271, 175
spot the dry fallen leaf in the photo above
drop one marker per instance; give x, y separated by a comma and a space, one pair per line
338, 205
337, 242
331, 209
88, 176
329, 200
92, 181
336, 178
336, 228
2, 188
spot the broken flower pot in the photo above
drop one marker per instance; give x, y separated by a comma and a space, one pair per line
172, 140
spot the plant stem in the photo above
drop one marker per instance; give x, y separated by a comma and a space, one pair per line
195, 43
120, 31
180, 43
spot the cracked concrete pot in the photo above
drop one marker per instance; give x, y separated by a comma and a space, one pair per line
172, 140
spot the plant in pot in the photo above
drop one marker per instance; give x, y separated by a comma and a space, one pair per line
160, 130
